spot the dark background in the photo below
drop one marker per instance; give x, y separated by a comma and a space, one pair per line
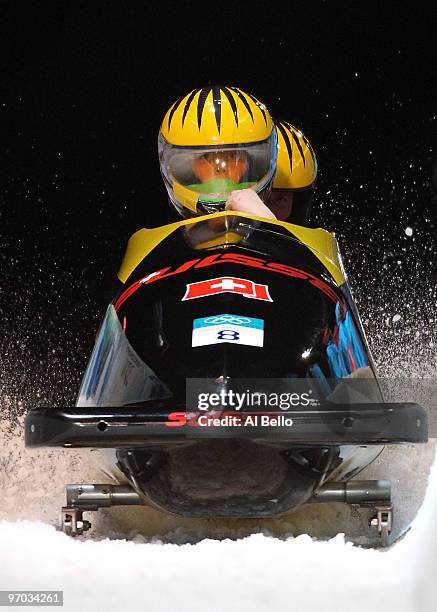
84, 89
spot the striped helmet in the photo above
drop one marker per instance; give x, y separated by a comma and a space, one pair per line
296, 166
212, 141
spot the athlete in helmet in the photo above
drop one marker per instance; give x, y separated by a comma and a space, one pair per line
218, 148
295, 176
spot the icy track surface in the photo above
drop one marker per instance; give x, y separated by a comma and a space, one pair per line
255, 573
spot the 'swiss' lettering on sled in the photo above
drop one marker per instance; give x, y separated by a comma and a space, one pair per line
228, 258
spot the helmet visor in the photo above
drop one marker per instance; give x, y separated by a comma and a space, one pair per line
211, 173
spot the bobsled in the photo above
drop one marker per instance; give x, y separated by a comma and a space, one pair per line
230, 377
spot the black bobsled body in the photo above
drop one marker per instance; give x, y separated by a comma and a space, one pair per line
222, 302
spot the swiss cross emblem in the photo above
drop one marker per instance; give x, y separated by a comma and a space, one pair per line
227, 284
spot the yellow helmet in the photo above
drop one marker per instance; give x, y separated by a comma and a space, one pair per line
296, 166
212, 141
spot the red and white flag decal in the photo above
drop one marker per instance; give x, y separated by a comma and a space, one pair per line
227, 284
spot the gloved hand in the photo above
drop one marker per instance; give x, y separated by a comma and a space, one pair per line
247, 200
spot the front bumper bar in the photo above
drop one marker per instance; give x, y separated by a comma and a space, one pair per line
139, 426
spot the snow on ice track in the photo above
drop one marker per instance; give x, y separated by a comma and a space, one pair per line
254, 573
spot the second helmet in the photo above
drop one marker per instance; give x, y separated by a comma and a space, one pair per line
296, 164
